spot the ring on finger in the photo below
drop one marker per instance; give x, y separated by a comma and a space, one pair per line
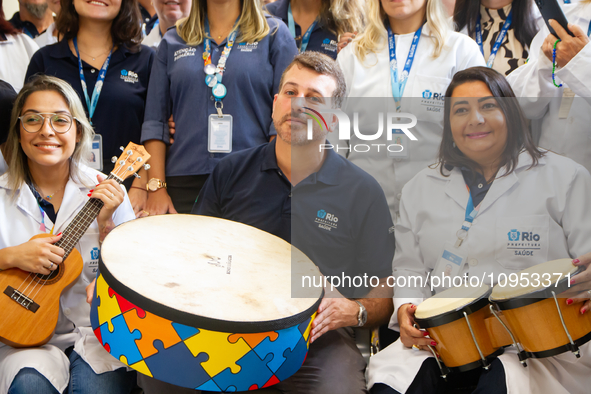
589, 292
146, 212
415, 347
112, 195
50, 266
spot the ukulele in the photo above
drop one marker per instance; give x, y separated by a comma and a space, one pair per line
29, 302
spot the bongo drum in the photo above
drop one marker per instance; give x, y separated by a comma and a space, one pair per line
455, 319
537, 315
203, 303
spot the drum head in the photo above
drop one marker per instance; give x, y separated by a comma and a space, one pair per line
207, 267
536, 280
448, 305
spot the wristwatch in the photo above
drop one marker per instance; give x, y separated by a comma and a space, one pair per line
362, 315
155, 184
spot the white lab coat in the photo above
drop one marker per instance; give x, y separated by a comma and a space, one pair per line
19, 221
47, 37
428, 74
549, 199
540, 99
15, 54
153, 39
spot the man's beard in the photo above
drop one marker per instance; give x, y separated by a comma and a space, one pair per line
37, 10
298, 133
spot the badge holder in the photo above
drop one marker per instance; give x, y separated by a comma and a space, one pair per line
95, 160
568, 96
450, 263
219, 130
398, 152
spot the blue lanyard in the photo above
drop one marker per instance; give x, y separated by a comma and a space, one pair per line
398, 84
498, 42
566, 1
91, 104
291, 25
471, 213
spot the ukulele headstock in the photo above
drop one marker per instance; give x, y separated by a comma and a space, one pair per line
131, 160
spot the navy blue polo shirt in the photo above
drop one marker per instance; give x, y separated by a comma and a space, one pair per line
338, 216
177, 86
321, 40
27, 27
119, 113
148, 20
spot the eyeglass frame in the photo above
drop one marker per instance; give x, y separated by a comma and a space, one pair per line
50, 121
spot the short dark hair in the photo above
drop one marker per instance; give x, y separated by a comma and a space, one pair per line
324, 65
518, 135
125, 30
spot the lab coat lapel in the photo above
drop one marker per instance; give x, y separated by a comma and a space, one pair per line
499, 187
456, 188
74, 200
27, 203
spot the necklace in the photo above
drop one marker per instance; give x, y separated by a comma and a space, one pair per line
50, 196
94, 57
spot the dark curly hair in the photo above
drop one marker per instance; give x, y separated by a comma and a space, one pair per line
125, 30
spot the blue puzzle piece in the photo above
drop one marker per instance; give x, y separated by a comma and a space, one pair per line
294, 360
176, 365
254, 372
304, 326
184, 331
287, 339
121, 341
209, 386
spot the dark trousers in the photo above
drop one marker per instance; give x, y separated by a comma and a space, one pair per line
333, 366
429, 381
183, 190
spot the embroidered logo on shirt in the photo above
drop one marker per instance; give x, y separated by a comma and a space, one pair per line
325, 220
184, 53
433, 101
248, 46
329, 45
524, 243
129, 76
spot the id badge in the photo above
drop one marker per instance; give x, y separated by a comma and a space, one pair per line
95, 160
398, 147
219, 134
568, 96
450, 263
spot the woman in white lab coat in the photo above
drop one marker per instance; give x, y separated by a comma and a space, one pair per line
366, 64
564, 113
487, 154
46, 184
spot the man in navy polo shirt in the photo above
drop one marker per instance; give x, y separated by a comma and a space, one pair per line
33, 17
326, 206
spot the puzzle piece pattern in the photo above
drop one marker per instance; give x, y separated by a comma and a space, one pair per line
194, 357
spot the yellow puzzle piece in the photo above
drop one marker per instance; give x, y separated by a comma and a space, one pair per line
222, 353
109, 307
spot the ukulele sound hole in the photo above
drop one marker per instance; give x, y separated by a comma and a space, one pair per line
51, 278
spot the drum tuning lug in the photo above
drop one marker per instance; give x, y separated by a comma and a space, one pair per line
146, 167
122, 148
114, 159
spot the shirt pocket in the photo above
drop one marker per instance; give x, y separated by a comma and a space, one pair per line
428, 95
522, 241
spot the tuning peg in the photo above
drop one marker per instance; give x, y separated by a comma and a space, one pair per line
139, 160
130, 168
121, 162
122, 148
135, 174
130, 152
146, 166
114, 159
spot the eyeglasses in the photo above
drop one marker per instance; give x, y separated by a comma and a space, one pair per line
60, 123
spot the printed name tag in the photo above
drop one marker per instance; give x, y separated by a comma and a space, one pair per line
399, 138
568, 96
220, 134
95, 160
450, 263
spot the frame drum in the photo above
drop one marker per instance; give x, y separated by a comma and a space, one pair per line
203, 303
455, 319
538, 316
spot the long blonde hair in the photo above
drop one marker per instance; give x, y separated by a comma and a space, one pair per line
373, 39
252, 23
18, 168
343, 16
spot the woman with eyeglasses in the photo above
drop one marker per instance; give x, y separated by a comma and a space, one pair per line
47, 184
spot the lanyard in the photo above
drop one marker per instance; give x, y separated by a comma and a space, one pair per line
91, 104
398, 85
213, 79
291, 25
471, 213
498, 42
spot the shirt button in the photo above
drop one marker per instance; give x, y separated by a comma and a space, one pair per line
67, 311
398, 196
211, 155
480, 185
473, 262
216, 50
92, 71
211, 98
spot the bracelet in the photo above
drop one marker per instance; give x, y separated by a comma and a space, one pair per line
141, 188
554, 65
